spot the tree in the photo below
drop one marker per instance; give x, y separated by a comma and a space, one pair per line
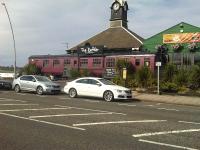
31, 69
169, 72
144, 77
194, 77
181, 78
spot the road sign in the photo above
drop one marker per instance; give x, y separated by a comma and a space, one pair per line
158, 64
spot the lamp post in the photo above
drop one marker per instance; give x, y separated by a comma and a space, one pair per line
12, 37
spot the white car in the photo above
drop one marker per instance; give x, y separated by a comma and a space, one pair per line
97, 87
39, 84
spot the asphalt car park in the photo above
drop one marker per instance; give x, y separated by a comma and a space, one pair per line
94, 124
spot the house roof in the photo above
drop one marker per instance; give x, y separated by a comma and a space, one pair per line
114, 38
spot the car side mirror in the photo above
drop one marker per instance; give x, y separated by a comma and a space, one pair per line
33, 80
98, 84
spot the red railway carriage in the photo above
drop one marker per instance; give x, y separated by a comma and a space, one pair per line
60, 65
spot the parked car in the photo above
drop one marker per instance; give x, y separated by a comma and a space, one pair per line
39, 84
5, 84
97, 87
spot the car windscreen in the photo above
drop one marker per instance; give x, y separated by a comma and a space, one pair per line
42, 79
106, 82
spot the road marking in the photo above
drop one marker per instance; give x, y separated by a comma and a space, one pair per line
17, 104
91, 101
20, 94
45, 122
118, 122
64, 98
149, 105
158, 103
41, 96
92, 110
188, 122
168, 145
13, 110
167, 109
6, 99
66, 115
127, 105
166, 132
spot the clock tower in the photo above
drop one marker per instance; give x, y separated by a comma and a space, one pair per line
119, 11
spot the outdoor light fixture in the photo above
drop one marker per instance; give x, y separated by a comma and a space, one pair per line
12, 37
181, 28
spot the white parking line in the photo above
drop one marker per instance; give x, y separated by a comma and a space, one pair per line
168, 145
91, 101
118, 122
67, 115
189, 122
15, 110
64, 98
166, 132
21, 94
41, 96
17, 104
6, 99
45, 122
149, 105
167, 109
158, 103
127, 105
91, 110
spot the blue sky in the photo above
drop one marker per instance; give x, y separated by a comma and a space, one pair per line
45, 26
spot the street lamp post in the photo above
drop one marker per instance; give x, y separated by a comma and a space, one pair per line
12, 37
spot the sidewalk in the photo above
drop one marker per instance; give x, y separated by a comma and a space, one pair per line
182, 100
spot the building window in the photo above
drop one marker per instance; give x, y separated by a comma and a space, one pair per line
110, 62
146, 62
96, 62
45, 63
56, 62
84, 63
75, 62
137, 62
67, 62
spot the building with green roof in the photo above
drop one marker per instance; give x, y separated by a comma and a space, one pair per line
179, 44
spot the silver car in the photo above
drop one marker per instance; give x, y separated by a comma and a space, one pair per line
38, 84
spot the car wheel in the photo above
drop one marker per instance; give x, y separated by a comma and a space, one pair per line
108, 96
17, 88
39, 90
72, 93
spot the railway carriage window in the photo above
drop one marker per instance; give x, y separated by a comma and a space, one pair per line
110, 62
56, 62
147, 62
96, 62
45, 63
84, 63
67, 62
137, 62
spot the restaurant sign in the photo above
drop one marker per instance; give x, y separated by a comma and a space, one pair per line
181, 38
89, 50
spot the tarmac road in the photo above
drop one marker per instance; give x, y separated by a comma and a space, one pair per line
57, 122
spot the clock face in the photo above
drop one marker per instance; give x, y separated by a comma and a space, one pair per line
116, 6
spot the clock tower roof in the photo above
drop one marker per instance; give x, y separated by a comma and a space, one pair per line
122, 2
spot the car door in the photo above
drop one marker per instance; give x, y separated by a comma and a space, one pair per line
30, 84
94, 88
81, 87
23, 82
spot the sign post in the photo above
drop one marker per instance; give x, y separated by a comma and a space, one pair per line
124, 75
158, 64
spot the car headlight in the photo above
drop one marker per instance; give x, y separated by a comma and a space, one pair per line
48, 85
119, 91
